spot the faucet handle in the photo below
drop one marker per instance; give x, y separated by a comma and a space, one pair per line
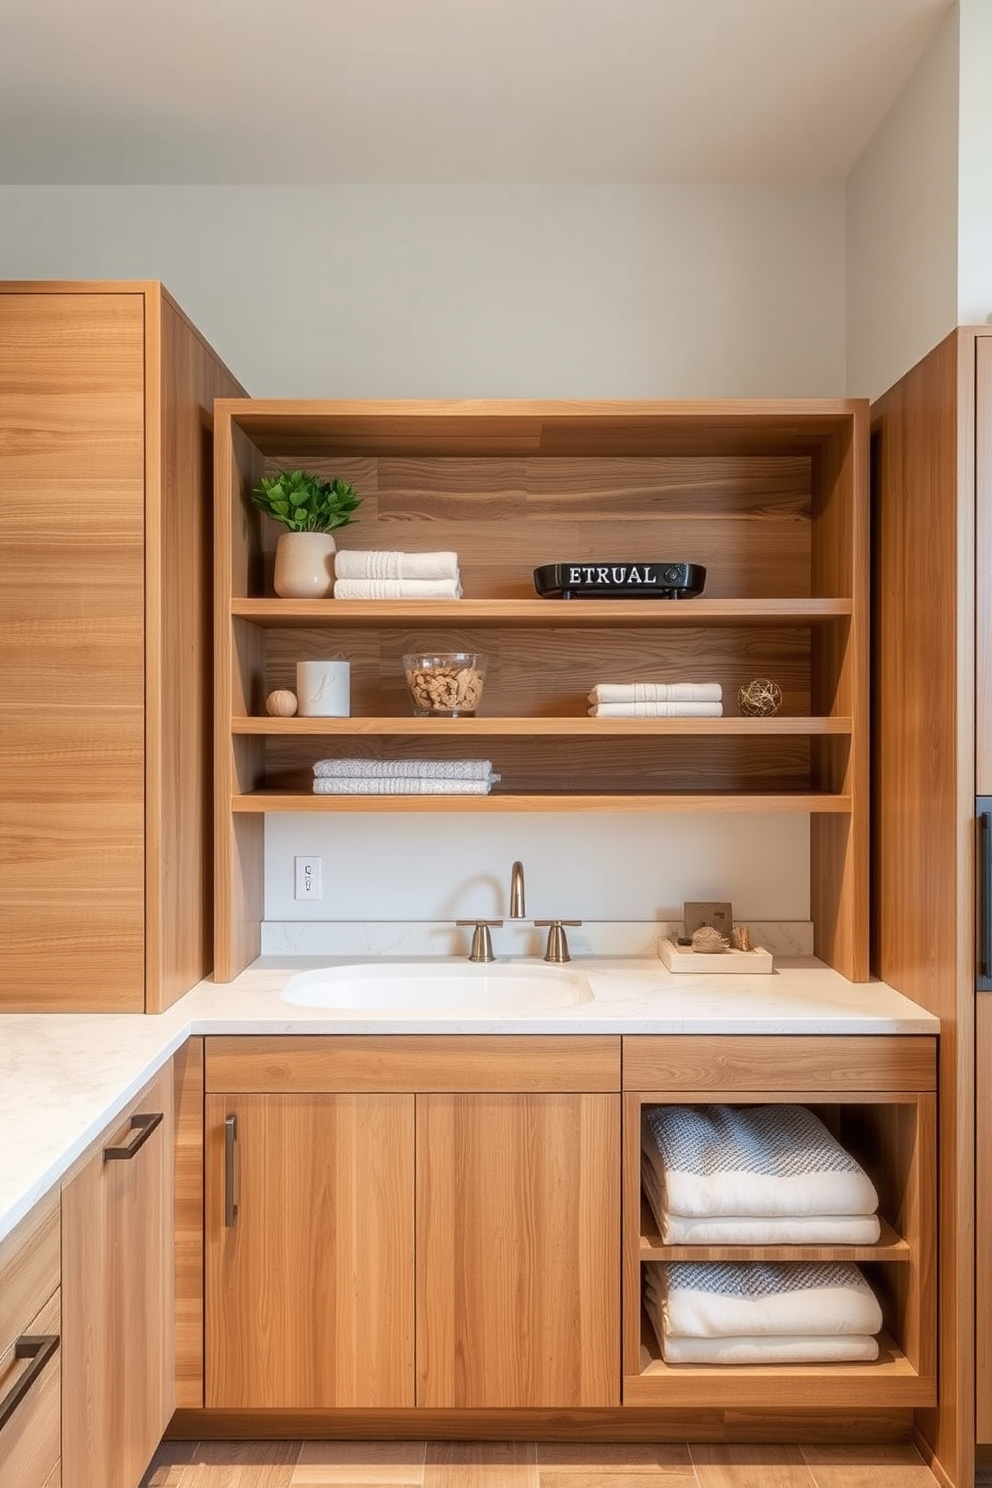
557, 947
482, 941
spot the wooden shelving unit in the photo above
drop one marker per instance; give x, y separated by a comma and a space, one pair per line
892, 1132
769, 496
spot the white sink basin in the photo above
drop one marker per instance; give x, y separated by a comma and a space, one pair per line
439, 987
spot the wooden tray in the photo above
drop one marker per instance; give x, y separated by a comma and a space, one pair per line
730, 963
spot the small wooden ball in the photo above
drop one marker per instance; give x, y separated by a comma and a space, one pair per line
760, 698
281, 703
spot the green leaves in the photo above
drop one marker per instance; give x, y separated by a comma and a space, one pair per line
305, 503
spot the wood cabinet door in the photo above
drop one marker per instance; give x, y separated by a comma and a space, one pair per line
72, 659
518, 1250
117, 1299
309, 1251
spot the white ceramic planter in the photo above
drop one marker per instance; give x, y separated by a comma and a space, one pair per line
304, 565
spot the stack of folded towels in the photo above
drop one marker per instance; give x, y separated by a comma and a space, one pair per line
373, 574
656, 700
365, 777
757, 1175
753, 1312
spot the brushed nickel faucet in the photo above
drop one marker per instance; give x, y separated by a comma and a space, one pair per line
482, 941
517, 909
557, 948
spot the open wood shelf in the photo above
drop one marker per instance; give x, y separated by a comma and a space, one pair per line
889, 1380
335, 613
263, 801
581, 726
889, 1246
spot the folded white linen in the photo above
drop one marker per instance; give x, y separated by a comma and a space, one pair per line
412, 769
656, 692
397, 589
850, 1348
656, 710
808, 1229
753, 1161
372, 563
720, 1299
378, 785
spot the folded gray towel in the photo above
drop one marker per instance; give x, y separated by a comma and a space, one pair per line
372, 785
412, 769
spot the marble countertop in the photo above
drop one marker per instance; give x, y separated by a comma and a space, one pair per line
65, 1077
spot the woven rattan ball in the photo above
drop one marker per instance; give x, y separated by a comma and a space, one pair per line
760, 698
281, 703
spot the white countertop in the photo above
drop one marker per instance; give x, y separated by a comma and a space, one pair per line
64, 1077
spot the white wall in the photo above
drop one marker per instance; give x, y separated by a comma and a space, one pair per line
975, 165
902, 215
619, 292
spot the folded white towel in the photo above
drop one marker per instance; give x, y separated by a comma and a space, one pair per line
720, 1299
849, 1348
377, 785
656, 710
412, 769
656, 692
370, 563
397, 589
753, 1161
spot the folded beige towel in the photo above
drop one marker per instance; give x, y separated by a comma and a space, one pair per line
371, 563
397, 589
656, 710
377, 785
656, 692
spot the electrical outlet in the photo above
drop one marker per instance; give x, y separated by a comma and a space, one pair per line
308, 878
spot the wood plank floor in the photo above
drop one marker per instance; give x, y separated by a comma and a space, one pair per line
390, 1464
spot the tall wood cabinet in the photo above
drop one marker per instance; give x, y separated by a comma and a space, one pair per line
106, 393
932, 755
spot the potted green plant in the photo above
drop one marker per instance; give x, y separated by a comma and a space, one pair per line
310, 508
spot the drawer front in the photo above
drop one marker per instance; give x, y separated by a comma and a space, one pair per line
30, 1441
329, 1064
704, 1064
29, 1269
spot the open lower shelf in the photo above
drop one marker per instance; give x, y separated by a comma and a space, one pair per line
334, 613
579, 726
805, 801
890, 1380
889, 1246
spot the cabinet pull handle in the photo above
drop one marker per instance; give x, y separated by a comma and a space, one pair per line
141, 1129
230, 1171
984, 890
39, 1348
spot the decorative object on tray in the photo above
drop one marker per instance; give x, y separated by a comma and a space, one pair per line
324, 688
627, 580
445, 685
708, 942
366, 777
759, 699
281, 703
730, 962
310, 508
368, 573
656, 700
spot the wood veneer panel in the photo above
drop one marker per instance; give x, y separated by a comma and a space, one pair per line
518, 1250
29, 1443
117, 1303
983, 1219
421, 1063
184, 376
356, 613
983, 565
263, 801
309, 1293
188, 1096
923, 651
688, 1062
30, 1268
72, 527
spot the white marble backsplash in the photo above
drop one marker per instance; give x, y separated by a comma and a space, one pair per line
513, 938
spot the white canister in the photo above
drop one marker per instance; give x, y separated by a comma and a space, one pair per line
323, 689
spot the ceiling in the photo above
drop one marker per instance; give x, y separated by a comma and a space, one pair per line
435, 91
